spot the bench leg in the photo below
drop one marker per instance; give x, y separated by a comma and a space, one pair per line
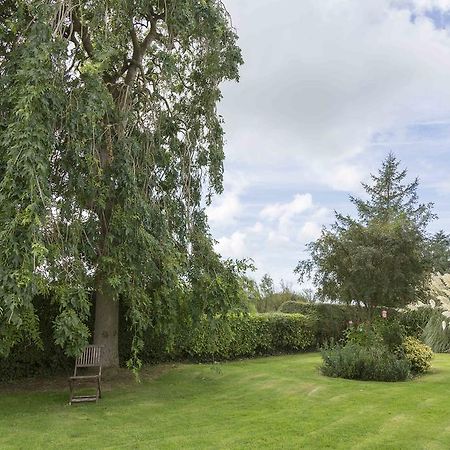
71, 391
98, 391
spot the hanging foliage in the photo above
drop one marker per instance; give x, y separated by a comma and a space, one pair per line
110, 143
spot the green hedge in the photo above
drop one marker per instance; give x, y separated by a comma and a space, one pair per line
250, 335
27, 359
306, 326
332, 319
236, 336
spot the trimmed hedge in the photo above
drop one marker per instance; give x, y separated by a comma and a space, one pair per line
332, 319
235, 336
27, 359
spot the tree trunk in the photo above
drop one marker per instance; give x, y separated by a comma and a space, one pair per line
106, 330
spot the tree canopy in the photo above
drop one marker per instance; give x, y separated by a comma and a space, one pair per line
390, 197
110, 144
382, 257
440, 252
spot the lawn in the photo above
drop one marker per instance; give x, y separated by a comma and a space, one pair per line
278, 402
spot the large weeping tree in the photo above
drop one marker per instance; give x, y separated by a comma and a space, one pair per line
110, 146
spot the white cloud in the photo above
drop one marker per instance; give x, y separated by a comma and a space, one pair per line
340, 177
284, 220
233, 246
225, 209
275, 237
422, 6
257, 228
309, 231
285, 211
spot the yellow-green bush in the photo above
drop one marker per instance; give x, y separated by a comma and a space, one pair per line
418, 354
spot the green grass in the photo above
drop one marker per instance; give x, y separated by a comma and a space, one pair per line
279, 402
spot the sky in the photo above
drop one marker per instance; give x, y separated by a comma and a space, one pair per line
328, 89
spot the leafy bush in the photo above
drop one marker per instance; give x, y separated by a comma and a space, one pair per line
391, 331
363, 335
358, 362
378, 350
418, 354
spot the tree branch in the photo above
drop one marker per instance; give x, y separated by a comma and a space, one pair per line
139, 50
84, 34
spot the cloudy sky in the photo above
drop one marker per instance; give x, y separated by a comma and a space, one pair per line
328, 88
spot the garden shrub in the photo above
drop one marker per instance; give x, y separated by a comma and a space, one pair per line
358, 362
363, 335
391, 331
418, 354
378, 350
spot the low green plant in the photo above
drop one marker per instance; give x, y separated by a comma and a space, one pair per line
418, 354
359, 362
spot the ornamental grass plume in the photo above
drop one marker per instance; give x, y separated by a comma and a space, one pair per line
436, 333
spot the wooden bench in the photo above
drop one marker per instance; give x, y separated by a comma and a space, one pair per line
91, 358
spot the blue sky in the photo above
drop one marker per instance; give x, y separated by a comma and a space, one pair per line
328, 88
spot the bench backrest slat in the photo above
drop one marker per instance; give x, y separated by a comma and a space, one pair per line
91, 357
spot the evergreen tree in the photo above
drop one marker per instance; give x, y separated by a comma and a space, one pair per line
381, 258
390, 196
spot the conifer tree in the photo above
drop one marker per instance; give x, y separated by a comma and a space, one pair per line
380, 258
